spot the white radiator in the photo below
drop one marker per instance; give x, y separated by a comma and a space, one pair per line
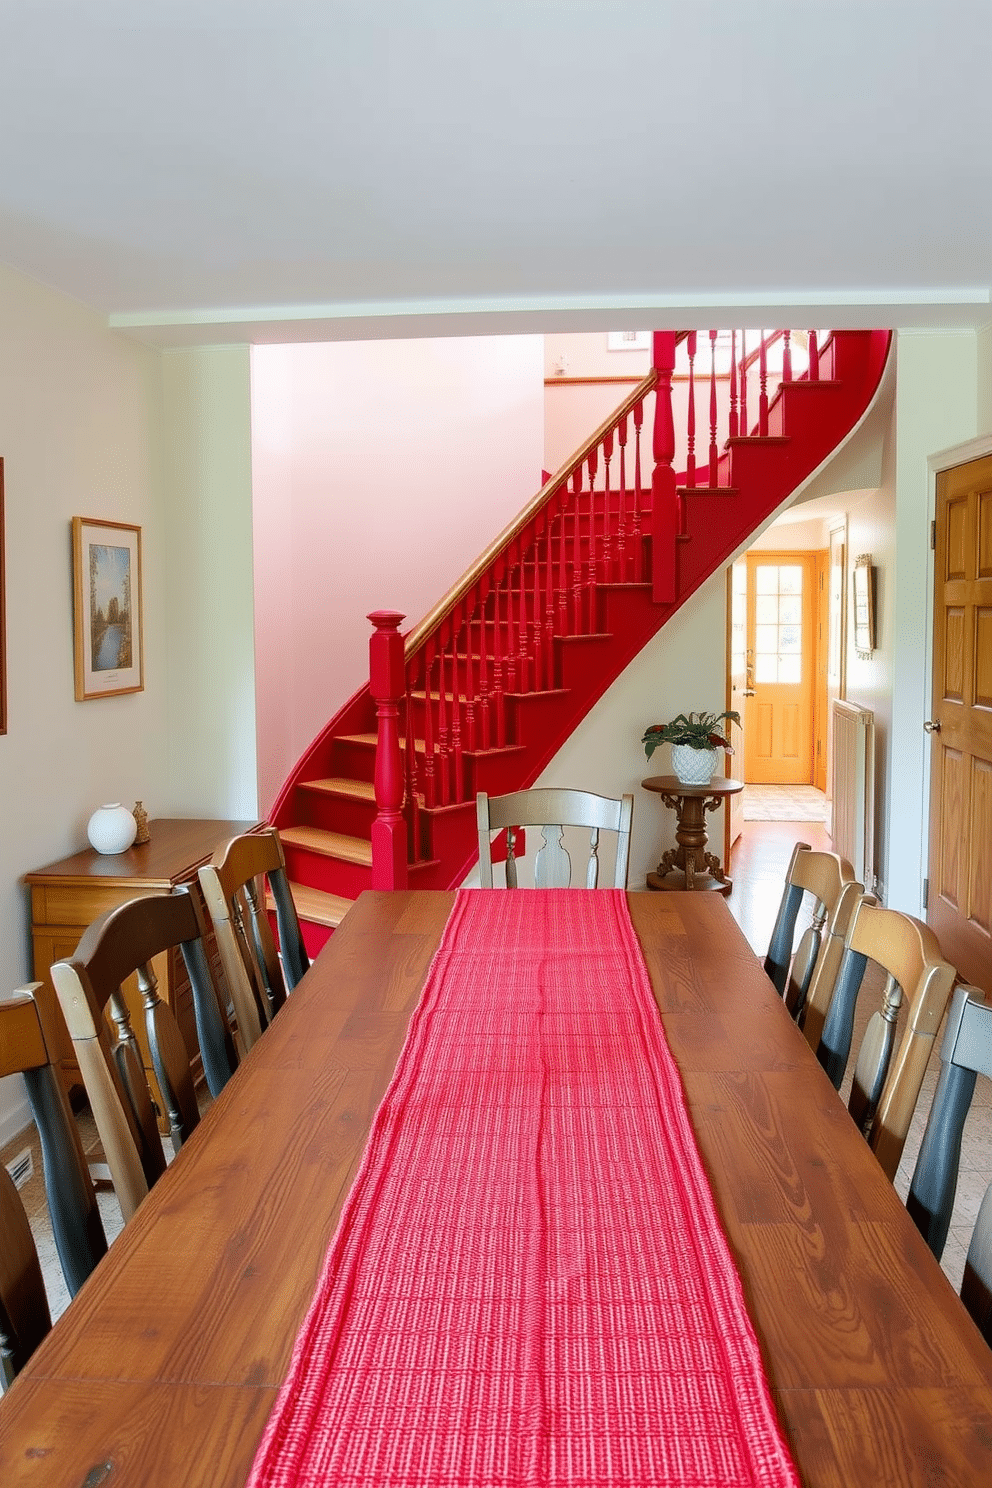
853, 806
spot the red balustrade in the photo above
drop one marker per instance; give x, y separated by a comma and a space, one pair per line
494, 637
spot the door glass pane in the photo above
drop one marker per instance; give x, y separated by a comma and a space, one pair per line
790, 579
790, 669
766, 669
766, 609
766, 579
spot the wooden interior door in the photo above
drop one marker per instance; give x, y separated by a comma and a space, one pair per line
736, 696
778, 743
959, 905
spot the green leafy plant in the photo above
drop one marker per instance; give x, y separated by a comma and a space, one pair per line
698, 730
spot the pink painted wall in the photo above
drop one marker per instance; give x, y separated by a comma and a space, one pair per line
380, 470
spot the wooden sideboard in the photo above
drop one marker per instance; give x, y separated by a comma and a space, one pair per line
68, 895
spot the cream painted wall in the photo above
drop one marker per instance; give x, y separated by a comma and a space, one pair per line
682, 669
936, 406
79, 434
381, 471
208, 586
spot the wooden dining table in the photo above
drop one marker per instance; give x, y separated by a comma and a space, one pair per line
166, 1366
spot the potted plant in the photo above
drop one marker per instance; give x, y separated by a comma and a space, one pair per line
695, 739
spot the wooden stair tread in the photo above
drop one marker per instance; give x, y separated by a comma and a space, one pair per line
331, 844
370, 741
340, 785
315, 905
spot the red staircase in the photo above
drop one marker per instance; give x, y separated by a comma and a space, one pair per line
482, 693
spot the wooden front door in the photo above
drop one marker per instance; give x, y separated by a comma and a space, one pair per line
778, 744
959, 906
736, 695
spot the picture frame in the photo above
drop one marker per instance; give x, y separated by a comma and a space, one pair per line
864, 607
628, 340
3, 621
108, 633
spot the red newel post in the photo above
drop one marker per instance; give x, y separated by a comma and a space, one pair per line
387, 684
664, 497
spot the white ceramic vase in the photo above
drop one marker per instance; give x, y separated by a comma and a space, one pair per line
693, 766
111, 828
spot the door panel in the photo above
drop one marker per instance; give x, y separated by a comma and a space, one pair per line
781, 658
960, 867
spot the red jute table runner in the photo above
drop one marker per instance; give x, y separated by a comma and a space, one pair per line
529, 1284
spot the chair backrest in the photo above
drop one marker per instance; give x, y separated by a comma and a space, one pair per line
965, 1053
24, 1314
887, 1079
27, 1044
121, 944
551, 810
233, 884
830, 880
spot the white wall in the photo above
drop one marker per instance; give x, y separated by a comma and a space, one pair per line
210, 605
683, 669
381, 470
79, 431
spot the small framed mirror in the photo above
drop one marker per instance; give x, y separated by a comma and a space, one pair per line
864, 606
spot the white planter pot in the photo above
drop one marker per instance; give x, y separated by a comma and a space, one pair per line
111, 828
693, 766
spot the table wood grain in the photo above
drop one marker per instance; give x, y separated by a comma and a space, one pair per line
166, 1366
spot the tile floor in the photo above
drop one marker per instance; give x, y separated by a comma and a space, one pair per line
758, 868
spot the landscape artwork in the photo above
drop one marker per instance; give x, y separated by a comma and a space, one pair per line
107, 613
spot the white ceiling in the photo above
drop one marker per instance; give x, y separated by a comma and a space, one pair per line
219, 170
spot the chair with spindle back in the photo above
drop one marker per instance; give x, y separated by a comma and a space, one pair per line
829, 880
258, 976
887, 1079
122, 943
965, 1053
26, 1047
553, 809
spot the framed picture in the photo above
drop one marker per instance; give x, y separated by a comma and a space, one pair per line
628, 340
864, 607
3, 623
106, 578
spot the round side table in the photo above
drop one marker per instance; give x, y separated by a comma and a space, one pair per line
689, 865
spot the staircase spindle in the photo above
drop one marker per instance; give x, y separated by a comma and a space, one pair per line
786, 356
387, 684
622, 504
732, 422
664, 496
443, 732
763, 385
430, 779
690, 459
636, 524
412, 781
814, 358
468, 682
549, 604
523, 653
714, 456
457, 739
535, 629
512, 679
499, 689
607, 559
742, 427
577, 554
563, 559
592, 551
485, 696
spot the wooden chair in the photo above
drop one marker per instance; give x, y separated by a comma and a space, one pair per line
830, 880
886, 1080
965, 1053
552, 810
26, 1047
122, 943
258, 977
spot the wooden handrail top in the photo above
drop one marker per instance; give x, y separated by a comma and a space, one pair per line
426, 627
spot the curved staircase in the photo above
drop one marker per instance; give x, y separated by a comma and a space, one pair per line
485, 690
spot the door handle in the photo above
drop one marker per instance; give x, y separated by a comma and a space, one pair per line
748, 692
932, 726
